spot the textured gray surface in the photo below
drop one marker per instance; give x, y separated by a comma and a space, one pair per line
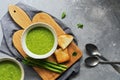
101, 19
1, 34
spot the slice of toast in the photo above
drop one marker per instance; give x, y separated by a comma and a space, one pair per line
64, 40
62, 55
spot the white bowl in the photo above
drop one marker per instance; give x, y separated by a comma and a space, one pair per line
17, 63
24, 46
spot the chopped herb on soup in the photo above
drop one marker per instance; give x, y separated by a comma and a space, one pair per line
40, 40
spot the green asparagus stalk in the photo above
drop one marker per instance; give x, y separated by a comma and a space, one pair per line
44, 66
59, 68
46, 61
61, 65
55, 66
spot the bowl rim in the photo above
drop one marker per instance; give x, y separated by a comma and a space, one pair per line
16, 62
24, 46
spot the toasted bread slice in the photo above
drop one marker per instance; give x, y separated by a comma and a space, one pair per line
62, 55
64, 40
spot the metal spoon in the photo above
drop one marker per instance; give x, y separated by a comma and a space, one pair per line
93, 51
94, 61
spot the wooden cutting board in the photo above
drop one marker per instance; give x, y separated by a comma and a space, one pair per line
22, 19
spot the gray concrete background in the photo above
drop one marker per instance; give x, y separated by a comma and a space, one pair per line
101, 20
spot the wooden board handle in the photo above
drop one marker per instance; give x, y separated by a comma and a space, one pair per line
19, 16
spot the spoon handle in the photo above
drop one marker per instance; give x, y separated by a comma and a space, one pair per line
106, 62
116, 67
103, 58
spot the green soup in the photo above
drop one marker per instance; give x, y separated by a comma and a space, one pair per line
9, 71
40, 40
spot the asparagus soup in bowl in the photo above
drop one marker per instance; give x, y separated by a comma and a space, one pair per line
11, 69
39, 40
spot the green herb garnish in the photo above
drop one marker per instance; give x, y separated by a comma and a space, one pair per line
63, 15
74, 54
52, 66
80, 26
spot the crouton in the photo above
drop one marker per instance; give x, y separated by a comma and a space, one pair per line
64, 40
62, 55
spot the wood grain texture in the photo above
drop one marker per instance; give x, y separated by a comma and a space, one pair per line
43, 17
19, 16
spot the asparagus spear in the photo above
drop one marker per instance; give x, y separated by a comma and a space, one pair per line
59, 68
61, 65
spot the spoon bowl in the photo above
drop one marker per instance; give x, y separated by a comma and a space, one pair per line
92, 50
92, 61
